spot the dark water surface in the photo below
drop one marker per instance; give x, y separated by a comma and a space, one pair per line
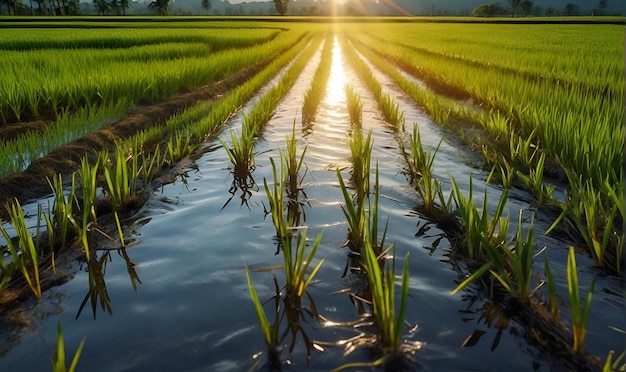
191, 310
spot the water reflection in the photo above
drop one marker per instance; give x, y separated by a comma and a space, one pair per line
290, 319
242, 181
97, 292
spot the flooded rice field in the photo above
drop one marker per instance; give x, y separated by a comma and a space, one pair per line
178, 299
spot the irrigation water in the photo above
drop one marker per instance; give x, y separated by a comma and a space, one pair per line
178, 299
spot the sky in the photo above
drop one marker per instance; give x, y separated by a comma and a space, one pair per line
257, 1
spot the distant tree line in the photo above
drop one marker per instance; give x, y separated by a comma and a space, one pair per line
524, 8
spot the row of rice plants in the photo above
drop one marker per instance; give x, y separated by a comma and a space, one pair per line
241, 154
606, 193
386, 102
543, 47
218, 36
17, 154
484, 238
533, 107
507, 268
29, 87
314, 94
362, 215
75, 213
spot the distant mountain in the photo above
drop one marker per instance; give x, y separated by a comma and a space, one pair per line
377, 7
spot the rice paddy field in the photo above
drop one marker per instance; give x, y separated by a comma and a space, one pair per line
311, 194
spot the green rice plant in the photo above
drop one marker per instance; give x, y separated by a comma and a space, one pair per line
296, 262
293, 163
89, 177
242, 153
25, 253
511, 267
178, 147
585, 210
270, 332
355, 214
63, 210
389, 318
479, 226
58, 357
391, 110
361, 153
616, 365
579, 314
553, 305
276, 198
372, 220
355, 106
420, 167
120, 176
534, 181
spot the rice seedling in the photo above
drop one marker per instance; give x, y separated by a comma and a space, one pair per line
58, 357
478, 226
270, 331
120, 174
389, 318
293, 163
88, 176
178, 147
6, 273
62, 223
579, 313
420, 168
355, 106
25, 253
585, 210
355, 216
297, 264
361, 153
611, 365
553, 306
241, 154
511, 267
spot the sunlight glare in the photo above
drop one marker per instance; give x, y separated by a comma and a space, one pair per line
337, 80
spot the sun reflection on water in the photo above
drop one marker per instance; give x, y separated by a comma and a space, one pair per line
337, 80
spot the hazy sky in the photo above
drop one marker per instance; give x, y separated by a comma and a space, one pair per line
256, 1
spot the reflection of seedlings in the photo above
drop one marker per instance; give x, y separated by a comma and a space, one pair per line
97, 292
96, 268
58, 357
246, 184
